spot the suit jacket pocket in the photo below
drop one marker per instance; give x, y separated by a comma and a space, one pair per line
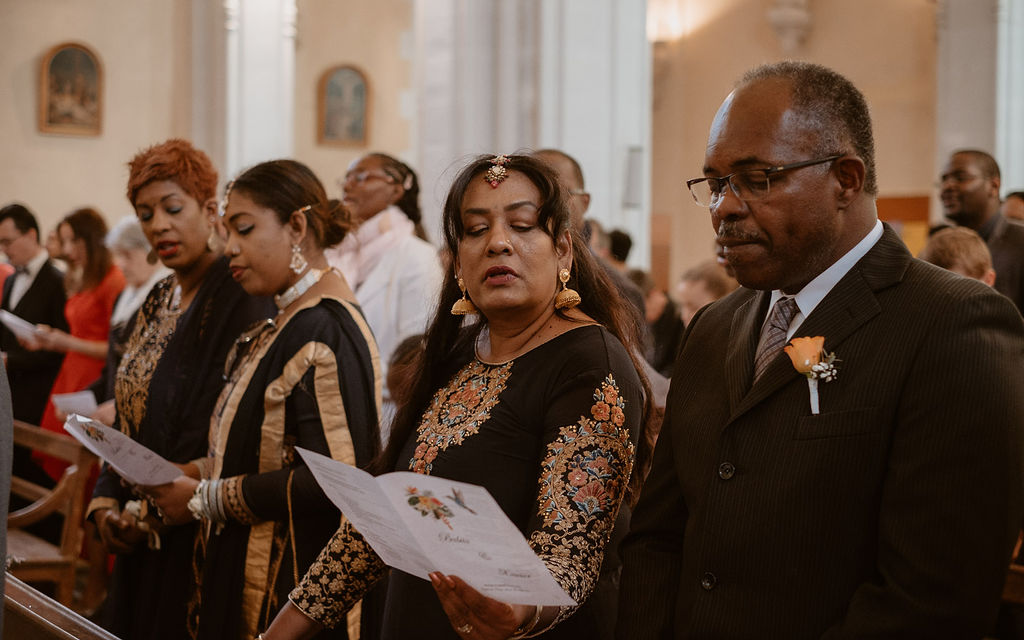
839, 424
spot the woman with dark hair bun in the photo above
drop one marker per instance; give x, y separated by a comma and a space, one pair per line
538, 399
309, 378
93, 284
395, 273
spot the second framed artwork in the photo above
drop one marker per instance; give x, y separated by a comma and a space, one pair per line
71, 91
343, 107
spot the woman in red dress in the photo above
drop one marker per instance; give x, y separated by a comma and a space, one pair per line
93, 284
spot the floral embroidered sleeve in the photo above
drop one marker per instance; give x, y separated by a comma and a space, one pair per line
584, 474
345, 570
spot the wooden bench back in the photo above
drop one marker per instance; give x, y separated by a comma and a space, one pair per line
32, 558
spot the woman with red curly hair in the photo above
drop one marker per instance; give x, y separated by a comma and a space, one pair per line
167, 382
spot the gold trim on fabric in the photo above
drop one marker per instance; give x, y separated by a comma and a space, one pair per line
101, 502
371, 342
272, 431
352, 620
155, 325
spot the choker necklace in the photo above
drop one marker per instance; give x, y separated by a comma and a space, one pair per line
300, 287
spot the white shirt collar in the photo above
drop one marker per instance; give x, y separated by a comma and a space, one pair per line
816, 290
36, 263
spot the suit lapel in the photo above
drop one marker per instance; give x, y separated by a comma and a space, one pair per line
29, 296
849, 304
8, 287
743, 337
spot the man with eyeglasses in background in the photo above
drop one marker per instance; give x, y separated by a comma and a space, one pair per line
969, 188
872, 496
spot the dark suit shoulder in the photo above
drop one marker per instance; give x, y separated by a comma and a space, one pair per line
51, 273
945, 287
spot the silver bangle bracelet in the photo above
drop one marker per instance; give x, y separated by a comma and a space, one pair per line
207, 503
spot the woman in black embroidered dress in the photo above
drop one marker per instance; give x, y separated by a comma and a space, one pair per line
310, 378
537, 400
167, 381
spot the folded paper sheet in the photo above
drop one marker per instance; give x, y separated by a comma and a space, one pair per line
19, 326
419, 524
132, 461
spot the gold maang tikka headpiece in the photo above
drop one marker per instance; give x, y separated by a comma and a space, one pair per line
497, 172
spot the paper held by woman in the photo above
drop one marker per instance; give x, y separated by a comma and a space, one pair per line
420, 524
129, 459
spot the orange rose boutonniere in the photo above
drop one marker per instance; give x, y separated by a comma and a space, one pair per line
809, 358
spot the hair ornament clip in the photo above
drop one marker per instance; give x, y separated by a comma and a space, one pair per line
227, 194
304, 209
497, 173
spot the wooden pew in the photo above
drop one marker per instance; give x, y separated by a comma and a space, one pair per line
30, 614
29, 557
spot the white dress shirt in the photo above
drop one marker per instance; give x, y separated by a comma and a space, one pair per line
24, 280
816, 290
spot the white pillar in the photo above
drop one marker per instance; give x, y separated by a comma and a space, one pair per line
1009, 147
980, 84
595, 104
504, 76
243, 81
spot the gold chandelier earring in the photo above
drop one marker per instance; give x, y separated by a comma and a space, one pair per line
567, 298
463, 306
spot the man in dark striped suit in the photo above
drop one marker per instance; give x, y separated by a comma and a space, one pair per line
877, 494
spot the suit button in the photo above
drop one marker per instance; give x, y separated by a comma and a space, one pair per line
708, 581
726, 470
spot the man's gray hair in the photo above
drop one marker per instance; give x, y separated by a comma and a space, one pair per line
831, 105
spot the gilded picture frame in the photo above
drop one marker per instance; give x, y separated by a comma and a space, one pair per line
71, 91
343, 107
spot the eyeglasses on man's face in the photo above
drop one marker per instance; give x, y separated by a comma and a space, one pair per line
748, 185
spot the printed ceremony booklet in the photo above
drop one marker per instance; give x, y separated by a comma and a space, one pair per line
19, 326
419, 524
132, 461
83, 402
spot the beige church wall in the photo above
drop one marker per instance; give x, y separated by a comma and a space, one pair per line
143, 48
375, 37
886, 48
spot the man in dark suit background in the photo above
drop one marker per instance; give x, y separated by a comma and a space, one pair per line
970, 197
890, 508
35, 292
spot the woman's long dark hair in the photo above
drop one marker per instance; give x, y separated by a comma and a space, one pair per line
87, 225
447, 342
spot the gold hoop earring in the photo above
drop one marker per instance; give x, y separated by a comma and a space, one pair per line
298, 262
463, 306
567, 298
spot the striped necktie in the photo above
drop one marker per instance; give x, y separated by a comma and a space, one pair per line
773, 334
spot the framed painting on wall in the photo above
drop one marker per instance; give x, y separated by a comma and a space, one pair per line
343, 107
71, 91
